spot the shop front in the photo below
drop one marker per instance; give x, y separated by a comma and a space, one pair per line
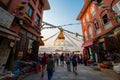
7, 48
88, 50
7, 41
117, 38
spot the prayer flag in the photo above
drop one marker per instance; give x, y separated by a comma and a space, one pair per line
20, 13
21, 5
26, 16
24, 2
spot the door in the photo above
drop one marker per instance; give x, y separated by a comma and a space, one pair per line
4, 52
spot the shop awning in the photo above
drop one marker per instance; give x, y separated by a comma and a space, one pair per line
8, 33
41, 42
87, 44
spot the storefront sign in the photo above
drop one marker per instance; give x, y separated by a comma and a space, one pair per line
5, 18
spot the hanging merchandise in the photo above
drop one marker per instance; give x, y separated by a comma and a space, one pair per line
25, 15
20, 10
20, 13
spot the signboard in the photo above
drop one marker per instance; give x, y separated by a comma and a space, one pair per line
5, 18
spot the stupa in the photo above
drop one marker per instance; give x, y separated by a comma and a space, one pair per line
60, 44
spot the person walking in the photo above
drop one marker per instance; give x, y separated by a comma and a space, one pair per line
74, 63
50, 67
57, 58
62, 59
68, 62
44, 62
85, 59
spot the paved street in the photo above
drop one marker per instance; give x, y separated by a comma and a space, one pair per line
84, 73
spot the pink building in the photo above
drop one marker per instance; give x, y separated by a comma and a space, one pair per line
100, 20
20, 26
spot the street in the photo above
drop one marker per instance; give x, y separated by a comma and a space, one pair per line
84, 73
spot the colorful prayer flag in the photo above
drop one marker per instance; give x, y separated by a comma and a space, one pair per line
26, 16
24, 2
21, 5
20, 13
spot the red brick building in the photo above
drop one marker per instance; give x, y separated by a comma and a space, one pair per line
100, 23
20, 24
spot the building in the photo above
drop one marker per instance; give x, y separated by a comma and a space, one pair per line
100, 22
20, 24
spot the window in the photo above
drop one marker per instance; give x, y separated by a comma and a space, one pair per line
87, 17
37, 19
83, 22
90, 32
116, 8
29, 11
92, 10
105, 19
106, 22
86, 36
96, 25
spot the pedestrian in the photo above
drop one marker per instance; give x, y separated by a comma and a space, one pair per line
50, 67
68, 62
57, 58
74, 63
62, 59
85, 59
44, 62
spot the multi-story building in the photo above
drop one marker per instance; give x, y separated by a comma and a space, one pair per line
100, 20
20, 24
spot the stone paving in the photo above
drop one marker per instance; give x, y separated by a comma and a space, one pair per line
84, 73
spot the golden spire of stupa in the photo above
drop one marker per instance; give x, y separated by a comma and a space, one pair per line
61, 35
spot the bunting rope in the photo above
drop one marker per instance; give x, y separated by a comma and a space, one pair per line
71, 40
50, 37
72, 33
72, 37
69, 24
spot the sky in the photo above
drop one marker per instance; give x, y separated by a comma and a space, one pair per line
62, 12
